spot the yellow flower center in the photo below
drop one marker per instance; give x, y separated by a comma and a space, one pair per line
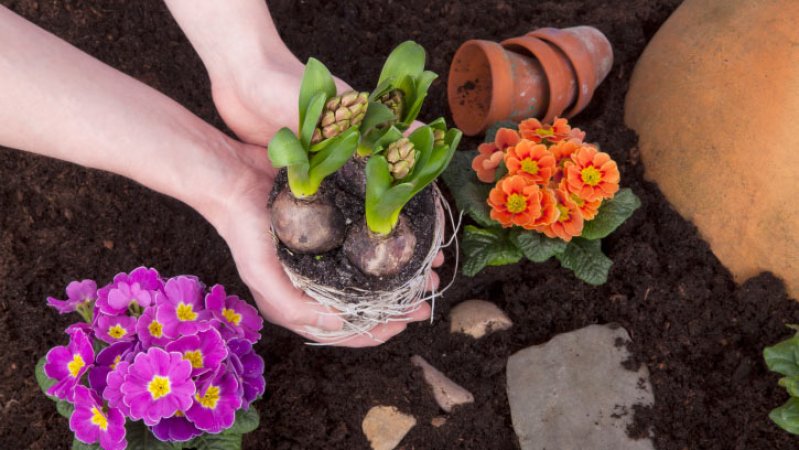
186, 312
210, 398
530, 166
75, 365
117, 332
580, 202
591, 176
195, 357
156, 329
545, 132
116, 361
516, 203
231, 316
179, 413
159, 386
564, 213
99, 419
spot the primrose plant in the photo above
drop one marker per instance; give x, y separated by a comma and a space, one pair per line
783, 358
156, 364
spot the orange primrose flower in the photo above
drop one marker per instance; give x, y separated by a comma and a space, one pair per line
549, 210
564, 149
491, 153
530, 160
570, 221
591, 174
588, 209
534, 130
515, 200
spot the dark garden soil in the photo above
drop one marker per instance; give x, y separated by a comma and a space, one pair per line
333, 268
700, 335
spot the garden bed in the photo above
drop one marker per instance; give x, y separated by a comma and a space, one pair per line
700, 335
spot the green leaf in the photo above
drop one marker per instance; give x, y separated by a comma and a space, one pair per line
586, 260
491, 132
787, 416
415, 101
783, 357
407, 59
791, 384
64, 408
316, 79
471, 194
378, 182
487, 247
329, 160
611, 215
141, 438
222, 441
308, 125
42, 379
536, 246
286, 150
377, 114
78, 445
246, 421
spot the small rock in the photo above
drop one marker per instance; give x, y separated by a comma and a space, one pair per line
478, 318
108, 244
447, 393
385, 426
438, 421
573, 393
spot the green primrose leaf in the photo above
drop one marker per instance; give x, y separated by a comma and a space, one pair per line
78, 445
329, 160
791, 384
63, 407
407, 59
246, 421
787, 416
487, 247
222, 441
316, 79
308, 125
470, 194
611, 215
783, 357
586, 260
491, 132
536, 246
141, 438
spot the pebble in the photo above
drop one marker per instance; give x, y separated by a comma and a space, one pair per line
478, 318
447, 393
385, 426
573, 392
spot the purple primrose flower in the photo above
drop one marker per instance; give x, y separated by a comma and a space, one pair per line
157, 386
151, 332
67, 364
107, 360
248, 367
237, 317
78, 292
176, 428
91, 422
113, 329
215, 405
181, 311
113, 391
205, 350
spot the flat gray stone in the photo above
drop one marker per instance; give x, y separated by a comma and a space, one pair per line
573, 393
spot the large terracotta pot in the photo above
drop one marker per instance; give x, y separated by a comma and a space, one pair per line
715, 100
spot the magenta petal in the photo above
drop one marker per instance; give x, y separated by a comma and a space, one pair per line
175, 428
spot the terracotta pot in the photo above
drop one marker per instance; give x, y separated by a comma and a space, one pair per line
527, 76
590, 54
714, 100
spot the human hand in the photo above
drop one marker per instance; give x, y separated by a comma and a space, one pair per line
244, 223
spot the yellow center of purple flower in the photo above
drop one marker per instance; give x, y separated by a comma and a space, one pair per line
117, 332
186, 312
159, 387
591, 176
179, 413
231, 316
116, 361
195, 357
99, 419
210, 398
530, 166
564, 213
516, 203
75, 365
156, 329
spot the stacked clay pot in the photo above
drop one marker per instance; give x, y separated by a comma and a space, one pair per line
546, 73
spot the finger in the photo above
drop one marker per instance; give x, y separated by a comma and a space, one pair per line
376, 336
439, 259
416, 124
433, 282
420, 314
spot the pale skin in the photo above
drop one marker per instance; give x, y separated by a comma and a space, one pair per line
62, 103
